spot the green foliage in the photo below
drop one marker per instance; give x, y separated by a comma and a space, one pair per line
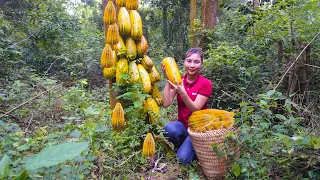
4, 166
272, 142
61, 38
55, 155
48, 39
166, 24
234, 71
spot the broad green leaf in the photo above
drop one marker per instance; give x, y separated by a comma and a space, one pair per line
280, 116
4, 166
263, 102
253, 163
316, 143
22, 176
137, 104
90, 111
55, 155
75, 133
236, 169
271, 92
220, 153
286, 142
214, 147
100, 128
193, 176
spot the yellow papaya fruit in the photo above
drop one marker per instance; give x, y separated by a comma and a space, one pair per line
131, 49
121, 70
112, 34
106, 56
145, 79
109, 16
133, 73
149, 147
172, 70
136, 25
124, 21
147, 62
132, 4
117, 117
142, 46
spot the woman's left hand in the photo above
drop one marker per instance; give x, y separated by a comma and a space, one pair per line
179, 88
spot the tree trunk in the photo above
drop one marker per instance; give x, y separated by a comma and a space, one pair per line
209, 10
164, 23
280, 54
298, 78
192, 17
1, 4
255, 4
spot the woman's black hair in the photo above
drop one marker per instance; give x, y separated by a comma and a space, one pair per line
195, 51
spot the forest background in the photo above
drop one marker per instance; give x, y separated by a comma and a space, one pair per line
263, 60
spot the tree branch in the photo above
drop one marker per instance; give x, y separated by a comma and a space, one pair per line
29, 100
295, 61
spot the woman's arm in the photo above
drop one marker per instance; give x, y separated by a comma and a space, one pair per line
192, 105
168, 95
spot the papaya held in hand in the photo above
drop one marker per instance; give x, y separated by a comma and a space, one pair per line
172, 70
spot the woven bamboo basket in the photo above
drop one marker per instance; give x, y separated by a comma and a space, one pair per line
212, 166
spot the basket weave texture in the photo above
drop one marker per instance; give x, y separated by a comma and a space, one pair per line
212, 166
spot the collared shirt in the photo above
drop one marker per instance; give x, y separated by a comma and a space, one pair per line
200, 85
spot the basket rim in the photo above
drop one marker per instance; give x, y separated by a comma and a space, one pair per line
211, 133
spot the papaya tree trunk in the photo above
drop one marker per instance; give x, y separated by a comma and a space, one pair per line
192, 17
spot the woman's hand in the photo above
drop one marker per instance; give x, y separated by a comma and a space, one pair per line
179, 88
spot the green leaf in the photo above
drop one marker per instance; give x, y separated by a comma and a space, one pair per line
193, 176
100, 128
75, 134
236, 169
253, 163
220, 153
270, 93
316, 143
55, 155
280, 116
23, 176
214, 147
90, 111
137, 104
263, 102
4, 166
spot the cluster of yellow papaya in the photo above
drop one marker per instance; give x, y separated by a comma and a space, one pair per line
210, 119
125, 55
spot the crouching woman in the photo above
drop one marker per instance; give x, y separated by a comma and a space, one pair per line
192, 95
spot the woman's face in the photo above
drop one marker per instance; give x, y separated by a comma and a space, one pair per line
193, 64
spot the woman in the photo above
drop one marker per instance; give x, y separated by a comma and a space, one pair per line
192, 95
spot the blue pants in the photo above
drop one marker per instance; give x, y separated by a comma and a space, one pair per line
178, 135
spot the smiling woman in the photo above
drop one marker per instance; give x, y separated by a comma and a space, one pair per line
192, 94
